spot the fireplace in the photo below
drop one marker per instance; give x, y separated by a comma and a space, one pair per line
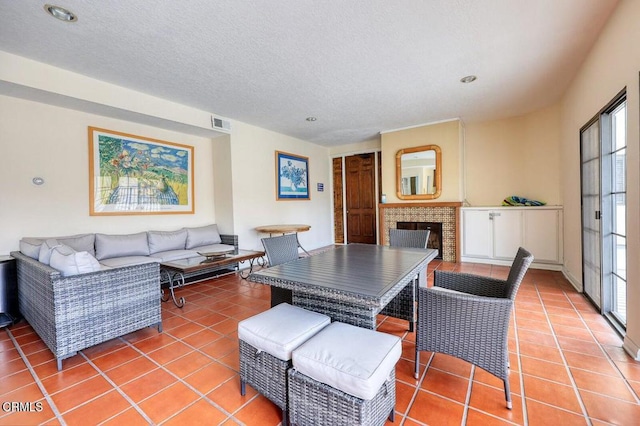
447, 214
435, 236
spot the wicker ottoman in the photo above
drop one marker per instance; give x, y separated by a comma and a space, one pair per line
344, 375
266, 343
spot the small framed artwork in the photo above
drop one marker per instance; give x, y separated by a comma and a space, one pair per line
292, 177
135, 175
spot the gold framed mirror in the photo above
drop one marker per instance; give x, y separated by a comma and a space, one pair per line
419, 173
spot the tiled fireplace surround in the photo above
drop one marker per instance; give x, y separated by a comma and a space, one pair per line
446, 213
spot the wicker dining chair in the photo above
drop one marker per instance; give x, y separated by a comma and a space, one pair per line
280, 250
467, 316
409, 238
403, 306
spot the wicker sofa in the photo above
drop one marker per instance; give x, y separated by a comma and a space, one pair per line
76, 312
73, 311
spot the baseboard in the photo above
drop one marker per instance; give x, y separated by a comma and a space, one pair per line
631, 348
534, 265
577, 284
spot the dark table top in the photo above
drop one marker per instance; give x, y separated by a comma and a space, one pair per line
363, 270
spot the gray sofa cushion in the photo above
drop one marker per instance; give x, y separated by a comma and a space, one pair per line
212, 248
160, 241
31, 247
70, 262
108, 246
81, 242
202, 236
166, 256
119, 262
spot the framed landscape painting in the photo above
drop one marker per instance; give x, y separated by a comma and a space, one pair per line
292, 177
131, 175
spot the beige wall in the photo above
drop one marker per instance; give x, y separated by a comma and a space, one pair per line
514, 156
52, 142
47, 136
446, 136
612, 64
355, 148
254, 191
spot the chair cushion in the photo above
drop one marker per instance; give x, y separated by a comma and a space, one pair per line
203, 236
160, 241
352, 359
70, 262
281, 329
108, 246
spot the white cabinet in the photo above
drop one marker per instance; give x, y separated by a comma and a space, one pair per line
493, 235
542, 234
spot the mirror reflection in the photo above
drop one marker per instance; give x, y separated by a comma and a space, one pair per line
418, 173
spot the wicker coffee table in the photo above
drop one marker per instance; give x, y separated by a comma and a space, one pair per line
176, 270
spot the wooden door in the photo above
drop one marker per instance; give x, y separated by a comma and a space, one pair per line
361, 198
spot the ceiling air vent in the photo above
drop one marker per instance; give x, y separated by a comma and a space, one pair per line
221, 124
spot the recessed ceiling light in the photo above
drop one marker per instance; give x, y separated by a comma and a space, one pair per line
468, 79
311, 119
60, 13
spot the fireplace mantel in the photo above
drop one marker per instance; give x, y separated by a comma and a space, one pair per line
448, 213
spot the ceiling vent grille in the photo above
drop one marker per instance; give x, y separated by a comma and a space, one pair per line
221, 124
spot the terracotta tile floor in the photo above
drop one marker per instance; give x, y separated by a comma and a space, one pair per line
567, 367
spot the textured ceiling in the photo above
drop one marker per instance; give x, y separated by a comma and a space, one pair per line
359, 66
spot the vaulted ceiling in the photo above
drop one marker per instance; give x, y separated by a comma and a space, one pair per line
358, 66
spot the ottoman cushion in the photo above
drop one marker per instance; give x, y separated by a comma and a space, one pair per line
281, 329
352, 359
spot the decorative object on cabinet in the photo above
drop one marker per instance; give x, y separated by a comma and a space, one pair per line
133, 175
514, 200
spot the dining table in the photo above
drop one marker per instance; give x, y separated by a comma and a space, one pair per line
352, 283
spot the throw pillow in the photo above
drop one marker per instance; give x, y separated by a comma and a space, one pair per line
203, 236
45, 250
70, 262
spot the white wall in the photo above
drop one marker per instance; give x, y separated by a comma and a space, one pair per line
613, 64
52, 142
254, 187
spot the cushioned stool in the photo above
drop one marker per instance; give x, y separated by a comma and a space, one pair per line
344, 375
266, 343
